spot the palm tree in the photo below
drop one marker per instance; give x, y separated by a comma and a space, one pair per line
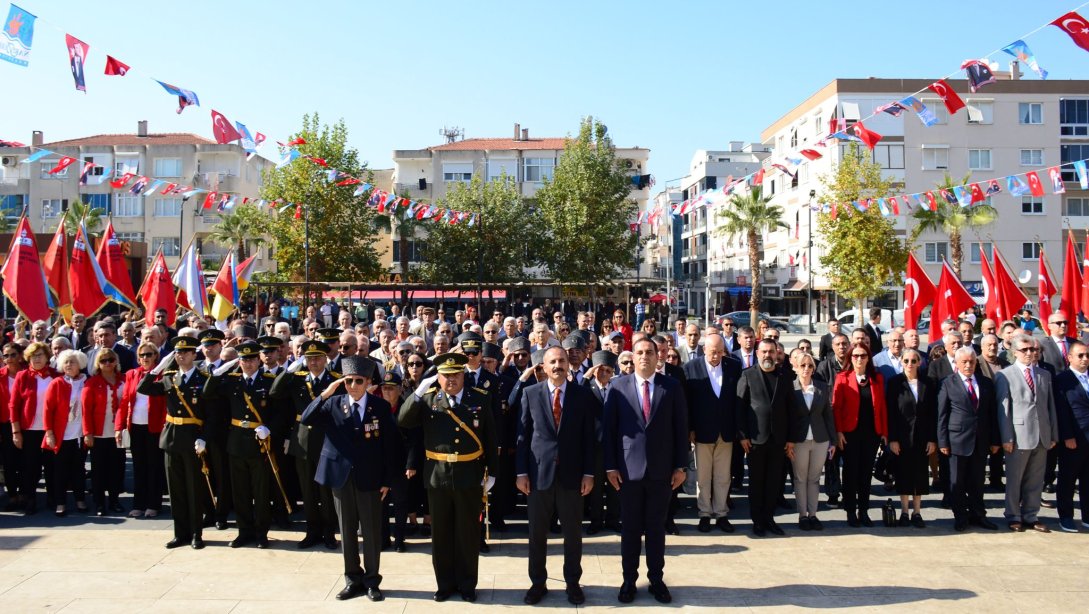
239, 230
751, 215
78, 210
952, 219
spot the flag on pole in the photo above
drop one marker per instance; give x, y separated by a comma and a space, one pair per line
1047, 287
85, 278
1011, 298
157, 292
189, 279
951, 300
24, 282
1075, 26
225, 287
918, 292
990, 295
56, 272
112, 262
1071, 293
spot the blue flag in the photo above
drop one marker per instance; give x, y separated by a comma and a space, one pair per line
1016, 186
38, 155
964, 197
1021, 51
1083, 177
248, 143
185, 97
925, 115
18, 35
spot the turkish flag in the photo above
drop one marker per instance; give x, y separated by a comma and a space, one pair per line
953, 103
1076, 26
210, 200
758, 178
64, 163
1085, 284
116, 67
1071, 297
24, 283
869, 137
158, 292
1035, 186
1011, 298
989, 291
894, 204
55, 266
977, 193
1047, 287
918, 292
222, 128
931, 201
952, 299
811, 154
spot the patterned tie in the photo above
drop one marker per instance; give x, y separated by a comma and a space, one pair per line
357, 423
1028, 378
972, 393
1062, 348
470, 379
646, 400
557, 408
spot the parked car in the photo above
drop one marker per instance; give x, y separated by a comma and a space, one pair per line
849, 320
741, 318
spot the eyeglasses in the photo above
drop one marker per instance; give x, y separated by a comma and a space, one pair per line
147, 355
107, 361
859, 356
911, 361
626, 362
413, 364
355, 381
12, 355
1081, 355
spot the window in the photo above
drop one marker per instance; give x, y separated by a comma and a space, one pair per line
168, 167
980, 111
131, 237
129, 206
126, 164
1030, 251
97, 170
979, 159
1074, 117
1032, 205
539, 169
96, 201
415, 250
793, 138
496, 169
935, 252
12, 204
48, 165
935, 157
1030, 113
889, 156
1032, 157
168, 207
171, 245
1077, 207
938, 107
1071, 153
52, 207
973, 252
818, 125
457, 171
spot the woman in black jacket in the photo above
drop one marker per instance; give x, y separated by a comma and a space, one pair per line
912, 401
811, 429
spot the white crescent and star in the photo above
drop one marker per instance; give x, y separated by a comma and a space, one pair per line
939, 89
910, 281
1083, 27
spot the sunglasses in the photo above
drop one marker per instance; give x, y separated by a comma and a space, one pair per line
415, 364
147, 355
349, 347
806, 366
626, 362
185, 351
1081, 355
912, 361
1027, 350
404, 352
859, 356
11, 355
355, 381
1061, 323
107, 361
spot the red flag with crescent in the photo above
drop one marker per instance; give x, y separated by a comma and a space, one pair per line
953, 103
918, 292
951, 300
1071, 296
1047, 287
1010, 295
990, 293
1077, 27
1035, 186
222, 128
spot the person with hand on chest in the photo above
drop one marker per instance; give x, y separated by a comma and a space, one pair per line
604, 505
357, 462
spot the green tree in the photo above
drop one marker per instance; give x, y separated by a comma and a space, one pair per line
244, 227
953, 220
406, 229
78, 210
751, 215
585, 210
341, 228
861, 251
495, 248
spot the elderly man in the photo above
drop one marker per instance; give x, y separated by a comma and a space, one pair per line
1029, 428
887, 361
510, 328
541, 337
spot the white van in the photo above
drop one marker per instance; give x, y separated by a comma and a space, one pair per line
849, 320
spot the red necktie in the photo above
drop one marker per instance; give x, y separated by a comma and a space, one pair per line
646, 400
972, 393
1031, 382
1062, 347
557, 408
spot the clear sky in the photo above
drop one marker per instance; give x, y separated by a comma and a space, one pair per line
671, 76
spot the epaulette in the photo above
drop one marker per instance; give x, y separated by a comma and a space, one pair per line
267, 374
334, 374
480, 390
303, 373
203, 372
234, 374
432, 389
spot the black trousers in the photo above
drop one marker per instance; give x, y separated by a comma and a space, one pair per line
147, 469
249, 480
1052, 464
567, 504
67, 474
360, 512
455, 536
184, 482
644, 508
858, 458
765, 481
396, 507
604, 501
966, 475
833, 485
107, 471
737, 466
1073, 468
503, 493
12, 460
220, 468
36, 461
318, 506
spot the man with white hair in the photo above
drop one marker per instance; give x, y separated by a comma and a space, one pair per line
510, 328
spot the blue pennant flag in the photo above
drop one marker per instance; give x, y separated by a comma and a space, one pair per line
248, 144
185, 97
287, 157
1083, 177
1016, 186
925, 115
964, 197
1021, 51
38, 155
18, 35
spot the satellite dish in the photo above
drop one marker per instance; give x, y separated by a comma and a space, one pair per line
1025, 276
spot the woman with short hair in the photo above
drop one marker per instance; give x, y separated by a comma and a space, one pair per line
64, 430
144, 417
103, 424
28, 421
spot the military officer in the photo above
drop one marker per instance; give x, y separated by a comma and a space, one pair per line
182, 384
217, 420
246, 390
506, 427
460, 446
331, 338
476, 376
302, 382
272, 350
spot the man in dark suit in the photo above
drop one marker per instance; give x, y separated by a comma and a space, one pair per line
826, 340
646, 453
873, 330
711, 392
967, 432
764, 395
746, 347
942, 368
358, 461
604, 504
555, 464
1054, 349
1072, 413
105, 336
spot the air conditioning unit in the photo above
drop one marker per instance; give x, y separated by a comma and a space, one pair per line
8, 161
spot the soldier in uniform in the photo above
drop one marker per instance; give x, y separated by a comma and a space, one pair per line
302, 382
331, 338
476, 376
506, 427
460, 446
246, 390
217, 420
181, 383
272, 350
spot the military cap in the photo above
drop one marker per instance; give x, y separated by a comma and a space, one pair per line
471, 342
450, 363
249, 349
518, 344
536, 358
581, 334
314, 348
357, 366
212, 336
492, 350
391, 379
270, 343
574, 342
328, 334
603, 357
184, 343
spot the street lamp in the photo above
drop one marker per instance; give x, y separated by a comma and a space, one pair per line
809, 273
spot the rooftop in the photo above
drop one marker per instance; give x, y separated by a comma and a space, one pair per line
133, 140
500, 144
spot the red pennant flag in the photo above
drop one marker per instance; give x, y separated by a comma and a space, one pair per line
918, 292
64, 163
1035, 186
1047, 287
116, 67
87, 294
120, 182
1078, 29
1071, 297
24, 283
977, 193
835, 211
989, 291
56, 272
1085, 282
811, 154
210, 200
894, 203
222, 129
295, 142
758, 178
112, 262
953, 103
319, 161
869, 137
157, 292
349, 181
931, 201
951, 300
1011, 298
298, 211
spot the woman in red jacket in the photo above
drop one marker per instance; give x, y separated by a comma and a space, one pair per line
64, 430
10, 456
858, 404
103, 422
28, 421
144, 417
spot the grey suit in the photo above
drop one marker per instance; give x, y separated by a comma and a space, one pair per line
1027, 420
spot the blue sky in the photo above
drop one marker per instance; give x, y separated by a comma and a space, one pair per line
671, 76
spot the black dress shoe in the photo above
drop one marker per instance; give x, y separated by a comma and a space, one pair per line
660, 592
352, 590
575, 596
221, 525
833, 501
983, 523
852, 519
239, 541
705, 525
442, 595
960, 525
917, 521
724, 524
815, 524
425, 530
775, 528
307, 542
905, 520
115, 508
804, 523
627, 593
864, 518
612, 526
671, 528
197, 543
594, 528
759, 530
262, 542
499, 524
484, 547
208, 522
375, 594
534, 594
177, 542
469, 595
330, 542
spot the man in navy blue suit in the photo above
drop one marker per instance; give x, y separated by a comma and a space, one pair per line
555, 465
1072, 411
646, 454
357, 461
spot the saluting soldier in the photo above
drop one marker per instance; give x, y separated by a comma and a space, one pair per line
216, 421
246, 390
459, 441
302, 382
506, 428
272, 349
476, 376
182, 384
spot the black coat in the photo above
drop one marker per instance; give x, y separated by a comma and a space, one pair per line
710, 416
372, 448
552, 455
963, 428
912, 423
765, 414
1071, 408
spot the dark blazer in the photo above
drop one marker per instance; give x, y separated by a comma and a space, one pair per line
764, 414
940, 369
912, 423
675, 372
828, 369
818, 415
347, 447
874, 333
1071, 408
595, 389
641, 449
551, 455
710, 416
825, 346
737, 354
963, 428
1052, 355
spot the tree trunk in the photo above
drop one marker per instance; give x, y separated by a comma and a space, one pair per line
754, 272
403, 260
956, 250
242, 253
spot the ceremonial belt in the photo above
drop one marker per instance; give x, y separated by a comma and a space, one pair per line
181, 399
249, 403
246, 424
181, 421
456, 457
310, 389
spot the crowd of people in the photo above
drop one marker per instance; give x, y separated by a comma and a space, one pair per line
387, 426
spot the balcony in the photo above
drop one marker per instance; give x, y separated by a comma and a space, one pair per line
226, 183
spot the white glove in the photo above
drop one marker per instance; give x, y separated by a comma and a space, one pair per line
287, 444
225, 367
262, 432
200, 446
159, 368
487, 483
297, 365
425, 384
